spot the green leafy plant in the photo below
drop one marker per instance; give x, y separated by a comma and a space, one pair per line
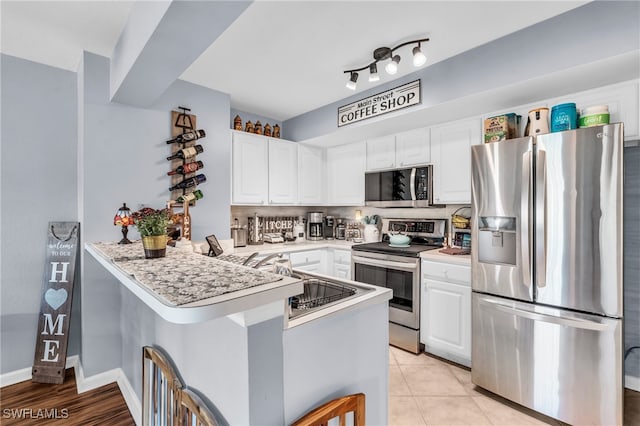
373, 220
151, 222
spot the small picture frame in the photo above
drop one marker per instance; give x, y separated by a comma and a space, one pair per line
214, 246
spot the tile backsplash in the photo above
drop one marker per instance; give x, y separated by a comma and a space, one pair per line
349, 213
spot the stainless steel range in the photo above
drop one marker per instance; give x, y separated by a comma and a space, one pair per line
398, 267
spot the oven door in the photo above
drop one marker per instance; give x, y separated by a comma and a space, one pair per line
398, 273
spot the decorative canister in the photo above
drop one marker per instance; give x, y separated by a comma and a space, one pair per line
371, 233
538, 121
564, 117
594, 116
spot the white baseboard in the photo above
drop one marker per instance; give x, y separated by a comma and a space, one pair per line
84, 384
632, 382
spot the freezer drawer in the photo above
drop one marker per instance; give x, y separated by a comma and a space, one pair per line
563, 364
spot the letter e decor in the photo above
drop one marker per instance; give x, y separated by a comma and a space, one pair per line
55, 307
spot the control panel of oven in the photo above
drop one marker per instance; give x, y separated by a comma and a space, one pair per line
416, 227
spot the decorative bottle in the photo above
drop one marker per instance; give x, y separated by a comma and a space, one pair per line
187, 168
193, 196
189, 136
186, 152
188, 183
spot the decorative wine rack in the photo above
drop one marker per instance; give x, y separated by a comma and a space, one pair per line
182, 122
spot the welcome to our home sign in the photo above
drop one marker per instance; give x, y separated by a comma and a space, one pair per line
55, 307
384, 102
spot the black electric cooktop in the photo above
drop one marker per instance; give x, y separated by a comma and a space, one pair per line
413, 250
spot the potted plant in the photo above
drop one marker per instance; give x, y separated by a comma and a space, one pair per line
152, 226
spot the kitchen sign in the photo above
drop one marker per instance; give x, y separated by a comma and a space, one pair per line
391, 100
55, 307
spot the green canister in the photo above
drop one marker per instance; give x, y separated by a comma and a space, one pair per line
594, 116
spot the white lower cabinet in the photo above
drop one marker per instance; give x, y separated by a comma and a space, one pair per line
309, 260
445, 317
340, 261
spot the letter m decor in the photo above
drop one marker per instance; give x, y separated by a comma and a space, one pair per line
52, 335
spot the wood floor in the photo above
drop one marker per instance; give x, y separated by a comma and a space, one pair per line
30, 403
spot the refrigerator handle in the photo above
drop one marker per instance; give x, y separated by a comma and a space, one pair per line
560, 320
541, 219
525, 219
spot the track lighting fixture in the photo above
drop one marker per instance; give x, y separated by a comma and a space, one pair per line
384, 53
351, 84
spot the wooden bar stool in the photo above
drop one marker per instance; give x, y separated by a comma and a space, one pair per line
338, 407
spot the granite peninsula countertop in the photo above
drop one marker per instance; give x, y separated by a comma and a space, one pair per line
188, 287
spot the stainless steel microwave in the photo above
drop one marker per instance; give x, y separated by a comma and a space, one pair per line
399, 188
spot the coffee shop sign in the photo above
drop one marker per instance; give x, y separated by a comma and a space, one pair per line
391, 100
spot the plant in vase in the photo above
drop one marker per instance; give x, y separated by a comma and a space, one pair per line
152, 226
371, 232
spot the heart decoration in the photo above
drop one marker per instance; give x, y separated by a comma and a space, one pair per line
55, 298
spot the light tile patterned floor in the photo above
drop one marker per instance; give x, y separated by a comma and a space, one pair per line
425, 391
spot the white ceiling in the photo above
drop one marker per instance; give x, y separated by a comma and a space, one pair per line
280, 58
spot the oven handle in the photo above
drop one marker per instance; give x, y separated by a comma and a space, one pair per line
406, 266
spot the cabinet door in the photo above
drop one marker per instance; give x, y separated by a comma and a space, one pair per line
310, 176
413, 148
283, 172
451, 152
342, 271
381, 153
249, 165
445, 320
345, 174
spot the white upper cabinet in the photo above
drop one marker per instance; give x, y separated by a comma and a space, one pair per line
381, 153
413, 148
345, 174
249, 180
310, 176
451, 156
283, 172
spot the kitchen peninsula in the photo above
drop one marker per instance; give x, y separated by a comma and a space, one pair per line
226, 328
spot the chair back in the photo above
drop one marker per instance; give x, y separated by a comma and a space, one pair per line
338, 407
166, 400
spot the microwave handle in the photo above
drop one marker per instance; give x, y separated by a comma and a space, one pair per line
412, 184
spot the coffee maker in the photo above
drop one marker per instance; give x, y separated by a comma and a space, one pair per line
329, 227
315, 228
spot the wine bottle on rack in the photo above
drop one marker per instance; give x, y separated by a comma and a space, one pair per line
186, 152
193, 196
189, 136
187, 168
188, 183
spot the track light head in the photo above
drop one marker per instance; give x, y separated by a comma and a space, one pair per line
392, 66
373, 72
351, 84
418, 57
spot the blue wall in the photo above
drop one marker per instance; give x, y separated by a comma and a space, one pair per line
39, 185
587, 34
123, 153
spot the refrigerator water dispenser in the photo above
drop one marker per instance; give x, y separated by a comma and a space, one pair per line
497, 240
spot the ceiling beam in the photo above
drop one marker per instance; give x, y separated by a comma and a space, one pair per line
161, 40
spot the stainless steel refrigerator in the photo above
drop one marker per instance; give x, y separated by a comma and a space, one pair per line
547, 273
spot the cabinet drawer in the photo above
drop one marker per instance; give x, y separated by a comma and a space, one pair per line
447, 272
305, 257
342, 257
